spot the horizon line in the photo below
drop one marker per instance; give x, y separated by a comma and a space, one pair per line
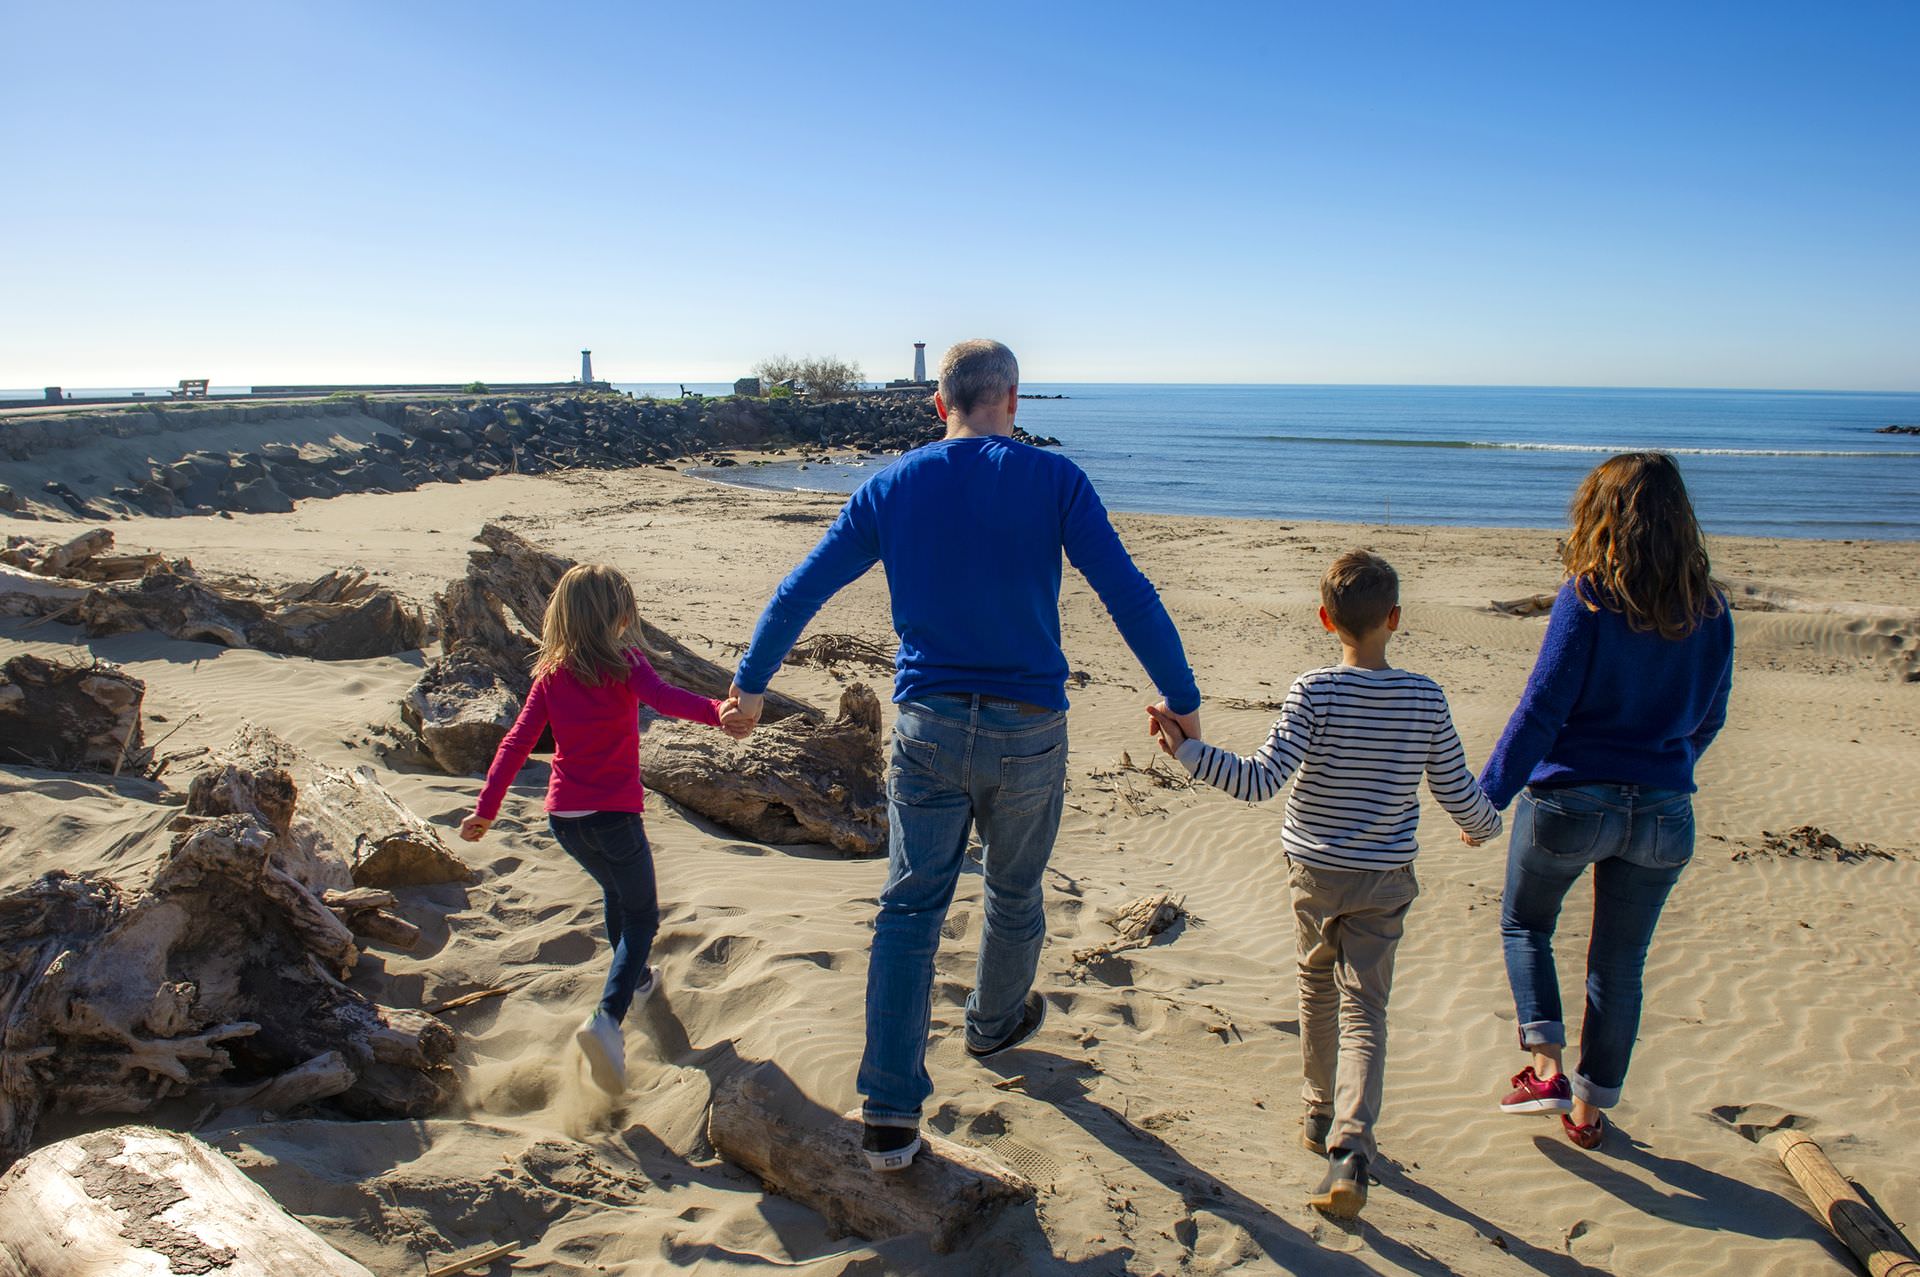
6, 392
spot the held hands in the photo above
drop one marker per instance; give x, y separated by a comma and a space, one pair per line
733, 721
740, 712
474, 828
1469, 839
1170, 730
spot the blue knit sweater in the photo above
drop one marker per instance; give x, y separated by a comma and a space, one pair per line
971, 531
1608, 704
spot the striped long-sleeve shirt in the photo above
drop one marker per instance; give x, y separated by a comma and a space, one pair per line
1355, 742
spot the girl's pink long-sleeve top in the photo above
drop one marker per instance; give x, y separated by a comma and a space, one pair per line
596, 735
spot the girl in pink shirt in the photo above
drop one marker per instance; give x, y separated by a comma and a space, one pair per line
588, 686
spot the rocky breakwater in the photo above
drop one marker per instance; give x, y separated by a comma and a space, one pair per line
262, 458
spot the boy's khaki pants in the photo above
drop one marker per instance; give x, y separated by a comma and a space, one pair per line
1348, 923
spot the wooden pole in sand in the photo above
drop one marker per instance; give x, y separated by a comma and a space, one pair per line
1882, 1251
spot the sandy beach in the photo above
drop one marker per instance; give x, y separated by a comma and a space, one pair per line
1158, 1109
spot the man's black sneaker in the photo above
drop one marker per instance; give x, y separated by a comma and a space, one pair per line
889, 1148
1314, 1128
1344, 1190
1032, 1016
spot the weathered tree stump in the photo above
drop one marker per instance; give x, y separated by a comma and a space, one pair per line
763, 1124
223, 973
69, 717
138, 1202
795, 781
334, 828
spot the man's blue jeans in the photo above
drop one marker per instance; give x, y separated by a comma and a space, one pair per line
958, 762
612, 846
1638, 842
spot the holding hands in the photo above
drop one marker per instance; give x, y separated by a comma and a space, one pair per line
1170, 730
740, 712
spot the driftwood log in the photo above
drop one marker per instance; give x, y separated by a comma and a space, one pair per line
763, 1124
489, 623
334, 828
221, 975
1875, 1242
370, 622
83, 558
134, 1201
24, 593
70, 717
795, 781
366, 911
1525, 605
340, 616
460, 709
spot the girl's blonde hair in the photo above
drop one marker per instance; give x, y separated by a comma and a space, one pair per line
588, 626
1636, 547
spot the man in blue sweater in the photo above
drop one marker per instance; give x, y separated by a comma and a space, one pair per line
971, 530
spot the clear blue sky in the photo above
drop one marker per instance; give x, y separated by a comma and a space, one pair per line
1619, 194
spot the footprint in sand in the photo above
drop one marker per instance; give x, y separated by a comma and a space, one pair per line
1589, 1243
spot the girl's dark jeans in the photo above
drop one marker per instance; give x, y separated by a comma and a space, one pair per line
1638, 841
612, 846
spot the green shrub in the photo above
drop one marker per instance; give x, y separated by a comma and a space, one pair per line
476, 387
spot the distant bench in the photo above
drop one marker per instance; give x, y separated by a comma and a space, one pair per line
190, 388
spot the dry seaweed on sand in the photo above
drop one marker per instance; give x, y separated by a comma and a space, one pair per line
1137, 922
824, 650
1810, 842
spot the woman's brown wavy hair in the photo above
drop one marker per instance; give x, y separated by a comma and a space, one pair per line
1636, 547
588, 626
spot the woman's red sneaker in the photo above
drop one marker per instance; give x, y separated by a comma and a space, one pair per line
1588, 1136
1532, 1093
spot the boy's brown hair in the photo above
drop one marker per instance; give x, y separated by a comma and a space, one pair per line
1359, 590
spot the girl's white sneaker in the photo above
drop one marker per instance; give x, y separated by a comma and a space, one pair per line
605, 1047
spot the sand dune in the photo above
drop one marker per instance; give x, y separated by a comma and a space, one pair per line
1158, 1108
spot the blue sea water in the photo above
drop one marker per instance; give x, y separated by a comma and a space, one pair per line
1759, 463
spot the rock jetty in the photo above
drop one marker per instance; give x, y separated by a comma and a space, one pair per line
388, 445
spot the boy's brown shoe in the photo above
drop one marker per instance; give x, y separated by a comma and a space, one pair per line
1344, 1190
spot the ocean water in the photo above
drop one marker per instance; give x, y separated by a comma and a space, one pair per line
1759, 463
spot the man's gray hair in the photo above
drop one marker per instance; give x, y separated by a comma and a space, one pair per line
978, 373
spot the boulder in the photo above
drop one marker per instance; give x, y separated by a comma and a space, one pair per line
260, 496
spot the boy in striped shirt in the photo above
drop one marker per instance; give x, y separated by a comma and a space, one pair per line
1355, 738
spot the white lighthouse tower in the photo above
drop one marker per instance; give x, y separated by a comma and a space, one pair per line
920, 361
586, 367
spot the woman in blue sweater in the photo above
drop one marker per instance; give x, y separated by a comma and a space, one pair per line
1629, 690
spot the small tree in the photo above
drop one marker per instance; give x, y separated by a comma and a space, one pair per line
476, 387
822, 376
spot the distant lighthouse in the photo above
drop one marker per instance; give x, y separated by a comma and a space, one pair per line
919, 361
586, 367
